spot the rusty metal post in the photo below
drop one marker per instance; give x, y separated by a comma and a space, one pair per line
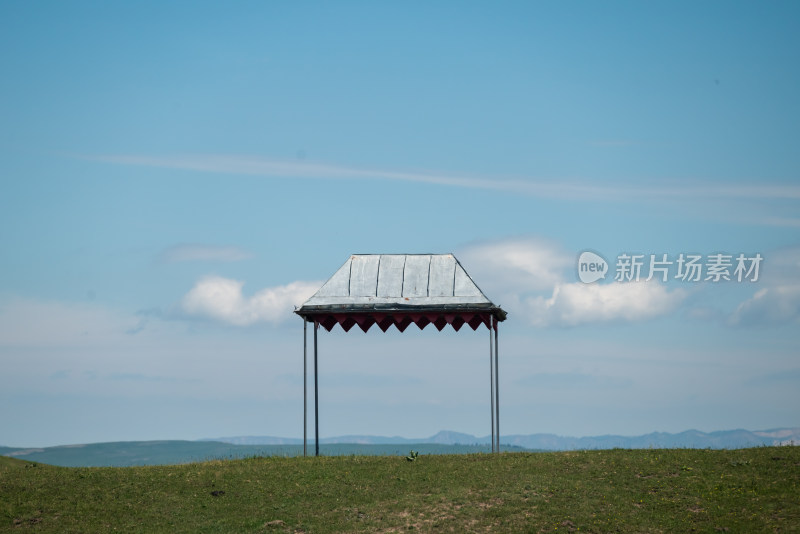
497, 384
305, 386
316, 392
491, 380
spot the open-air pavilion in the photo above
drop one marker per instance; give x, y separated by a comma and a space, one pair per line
400, 290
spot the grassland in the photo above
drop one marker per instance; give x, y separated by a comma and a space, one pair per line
137, 453
748, 490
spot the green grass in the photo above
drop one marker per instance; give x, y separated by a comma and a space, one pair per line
749, 490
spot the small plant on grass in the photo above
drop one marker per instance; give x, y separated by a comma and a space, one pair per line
412, 456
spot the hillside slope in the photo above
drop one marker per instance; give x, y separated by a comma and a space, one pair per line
750, 490
140, 453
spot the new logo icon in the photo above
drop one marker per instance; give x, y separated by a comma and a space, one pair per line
591, 267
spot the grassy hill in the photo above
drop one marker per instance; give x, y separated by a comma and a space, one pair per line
748, 490
138, 453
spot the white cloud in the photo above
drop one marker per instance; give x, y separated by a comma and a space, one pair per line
770, 305
199, 252
516, 265
577, 303
221, 299
519, 273
777, 301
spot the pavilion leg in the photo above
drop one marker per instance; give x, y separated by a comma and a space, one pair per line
305, 386
497, 385
316, 393
491, 381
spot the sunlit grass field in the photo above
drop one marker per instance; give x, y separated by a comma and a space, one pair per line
748, 490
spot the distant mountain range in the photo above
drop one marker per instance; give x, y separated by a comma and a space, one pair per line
175, 452
690, 439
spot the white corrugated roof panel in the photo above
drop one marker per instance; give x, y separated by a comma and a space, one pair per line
407, 280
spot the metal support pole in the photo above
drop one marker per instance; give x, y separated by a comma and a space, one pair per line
491, 381
316, 392
305, 386
497, 384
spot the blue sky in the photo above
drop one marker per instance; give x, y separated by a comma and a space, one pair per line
177, 176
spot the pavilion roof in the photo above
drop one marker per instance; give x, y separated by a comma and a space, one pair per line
398, 289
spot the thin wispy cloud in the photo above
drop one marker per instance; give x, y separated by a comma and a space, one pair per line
200, 252
777, 300
788, 377
776, 305
565, 381
552, 188
257, 166
28, 322
612, 143
141, 377
788, 222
